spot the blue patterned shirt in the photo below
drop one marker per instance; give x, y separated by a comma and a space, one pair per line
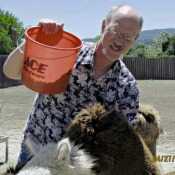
51, 114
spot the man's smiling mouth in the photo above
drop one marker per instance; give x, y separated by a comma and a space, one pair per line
116, 47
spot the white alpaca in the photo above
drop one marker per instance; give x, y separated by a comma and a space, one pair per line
59, 159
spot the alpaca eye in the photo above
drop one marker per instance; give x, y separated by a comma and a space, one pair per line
149, 118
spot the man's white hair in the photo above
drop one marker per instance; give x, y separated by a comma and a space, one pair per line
124, 10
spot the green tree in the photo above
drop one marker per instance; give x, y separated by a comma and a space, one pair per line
137, 51
162, 46
167, 44
11, 31
171, 46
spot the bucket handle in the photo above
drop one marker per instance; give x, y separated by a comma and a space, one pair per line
21, 47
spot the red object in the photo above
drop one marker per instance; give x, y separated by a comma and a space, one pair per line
48, 60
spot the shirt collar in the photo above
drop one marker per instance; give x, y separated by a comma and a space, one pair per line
89, 59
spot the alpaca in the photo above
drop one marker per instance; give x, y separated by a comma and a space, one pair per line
61, 159
57, 159
97, 142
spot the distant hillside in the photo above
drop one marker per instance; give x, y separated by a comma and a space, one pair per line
146, 36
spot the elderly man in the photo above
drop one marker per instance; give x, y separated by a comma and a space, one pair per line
99, 75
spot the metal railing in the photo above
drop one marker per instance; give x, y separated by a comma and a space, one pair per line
4, 139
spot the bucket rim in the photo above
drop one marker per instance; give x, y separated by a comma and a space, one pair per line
37, 27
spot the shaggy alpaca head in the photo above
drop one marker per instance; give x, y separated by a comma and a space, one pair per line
148, 125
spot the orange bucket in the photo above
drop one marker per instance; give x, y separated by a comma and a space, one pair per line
48, 60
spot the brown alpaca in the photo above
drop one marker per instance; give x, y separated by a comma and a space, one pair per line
107, 137
148, 126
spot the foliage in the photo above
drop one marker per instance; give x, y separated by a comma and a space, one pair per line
170, 49
11, 31
162, 46
137, 51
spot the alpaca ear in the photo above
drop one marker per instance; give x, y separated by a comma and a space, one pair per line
64, 149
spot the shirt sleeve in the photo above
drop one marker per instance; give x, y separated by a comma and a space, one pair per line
129, 103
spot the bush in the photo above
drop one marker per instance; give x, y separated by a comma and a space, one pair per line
11, 32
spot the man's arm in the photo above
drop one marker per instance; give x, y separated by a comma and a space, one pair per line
13, 65
129, 103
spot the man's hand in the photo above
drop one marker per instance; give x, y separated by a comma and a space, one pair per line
49, 26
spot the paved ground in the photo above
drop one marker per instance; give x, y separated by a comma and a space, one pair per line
16, 102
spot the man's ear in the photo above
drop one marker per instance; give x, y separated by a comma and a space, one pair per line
103, 26
137, 36
64, 149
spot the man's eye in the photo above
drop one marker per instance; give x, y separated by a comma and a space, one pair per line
128, 39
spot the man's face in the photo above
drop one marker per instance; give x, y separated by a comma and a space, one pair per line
118, 36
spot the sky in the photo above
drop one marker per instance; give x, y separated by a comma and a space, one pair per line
84, 17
